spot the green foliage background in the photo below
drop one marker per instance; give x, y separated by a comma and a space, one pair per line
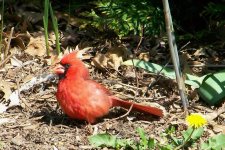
128, 17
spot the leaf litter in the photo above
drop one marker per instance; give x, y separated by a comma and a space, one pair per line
32, 119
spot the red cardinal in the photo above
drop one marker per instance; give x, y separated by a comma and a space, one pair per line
84, 99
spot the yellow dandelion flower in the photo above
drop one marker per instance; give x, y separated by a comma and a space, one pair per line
196, 120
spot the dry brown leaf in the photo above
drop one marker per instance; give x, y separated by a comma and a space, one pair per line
211, 116
82, 53
36, 47
5, 88
112, 59
100, 61
184, 61
18, 40
115, 56
219, 128
199, 52
144, 56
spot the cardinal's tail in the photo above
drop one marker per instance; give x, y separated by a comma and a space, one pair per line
138, 107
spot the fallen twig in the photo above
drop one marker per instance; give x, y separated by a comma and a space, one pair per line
5, 60
8, 44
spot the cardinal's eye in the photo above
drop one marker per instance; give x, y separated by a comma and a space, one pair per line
66, 66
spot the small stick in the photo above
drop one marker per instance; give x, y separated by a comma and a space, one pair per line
9, 41
5, 60
124, 115
142, 37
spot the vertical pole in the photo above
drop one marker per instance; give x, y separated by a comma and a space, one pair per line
174, 53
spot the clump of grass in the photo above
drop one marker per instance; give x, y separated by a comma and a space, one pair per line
2, 23
47, 8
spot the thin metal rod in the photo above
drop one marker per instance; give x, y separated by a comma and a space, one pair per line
174, 53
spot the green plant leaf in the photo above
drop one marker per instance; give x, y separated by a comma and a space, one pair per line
103, 140
108, 140
195, 135
214, 143
170, 130
144, 140
176, 140
170, 73
166, 147
55, 28
151, 143
213, 87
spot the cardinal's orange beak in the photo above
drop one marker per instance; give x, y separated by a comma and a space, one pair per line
59, 69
